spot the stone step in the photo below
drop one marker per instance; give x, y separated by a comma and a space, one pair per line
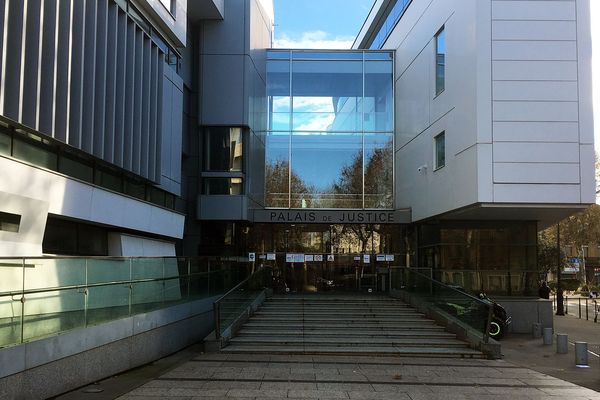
355, 314
345, 341
364, 351
337, 319
336, 334
425, 324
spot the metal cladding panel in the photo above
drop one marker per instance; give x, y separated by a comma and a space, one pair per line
100, 100
30, 66
12, 60
76, 73
85, 73
61, 85
111, 80
89, 75
47, 70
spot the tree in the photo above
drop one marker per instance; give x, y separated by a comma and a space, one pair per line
278, 183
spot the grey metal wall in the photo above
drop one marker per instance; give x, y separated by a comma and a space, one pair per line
82, 72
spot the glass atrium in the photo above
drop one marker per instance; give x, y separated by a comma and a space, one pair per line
330, 141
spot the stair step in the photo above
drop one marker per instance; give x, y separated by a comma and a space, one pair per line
371, 350
347, 342
345, 333
425, 324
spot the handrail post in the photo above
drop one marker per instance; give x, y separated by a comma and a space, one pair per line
23, 303
586, 310
217, 312
486, 336
579, 301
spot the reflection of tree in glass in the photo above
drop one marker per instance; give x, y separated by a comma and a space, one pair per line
277, 184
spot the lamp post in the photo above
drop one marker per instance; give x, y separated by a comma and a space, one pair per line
559, 292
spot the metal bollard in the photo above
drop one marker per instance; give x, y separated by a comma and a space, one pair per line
562, 343
536, 330
581, 355
547, 336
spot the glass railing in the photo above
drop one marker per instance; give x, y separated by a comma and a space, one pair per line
453, 301
41, 297
236, 301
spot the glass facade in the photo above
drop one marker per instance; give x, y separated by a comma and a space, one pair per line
440, 61
396, 11
330, 130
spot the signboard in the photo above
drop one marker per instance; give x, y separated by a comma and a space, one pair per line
318, 257
271, 257
251, 257
572, 266
389, 257
330, 257
356, 258
367, 258
294, 258
309, 257
380, 257
333, 216
262, 256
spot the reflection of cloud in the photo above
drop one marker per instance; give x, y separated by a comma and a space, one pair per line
314, 40
313, 122
313, 104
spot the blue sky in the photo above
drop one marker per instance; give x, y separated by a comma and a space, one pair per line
319, 23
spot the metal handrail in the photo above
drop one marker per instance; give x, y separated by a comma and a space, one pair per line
100, 284
217, 303
489, 306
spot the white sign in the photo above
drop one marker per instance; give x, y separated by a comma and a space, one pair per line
289, 258
309, 257
330, 257
251, 257
356, 258
262, 256
380, 257
389, 257
367, 258
294, 258
318, 257
270, 256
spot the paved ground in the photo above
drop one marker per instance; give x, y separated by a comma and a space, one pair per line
529, 370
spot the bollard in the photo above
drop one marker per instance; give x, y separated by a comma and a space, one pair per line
581, 355
562, 343
547, 336
536, 330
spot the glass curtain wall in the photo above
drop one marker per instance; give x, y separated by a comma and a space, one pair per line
330, 141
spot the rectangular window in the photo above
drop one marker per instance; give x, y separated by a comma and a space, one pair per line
34, 153
109, 179
5, 143
440, 61
9, 222
223, 186
75, 167
169, 5
440, 150
224, 149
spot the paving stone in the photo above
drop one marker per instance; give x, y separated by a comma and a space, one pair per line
257, 393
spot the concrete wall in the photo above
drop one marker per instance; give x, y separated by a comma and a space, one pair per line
34, 193
516, 109
233, 83
526, 312
51, 366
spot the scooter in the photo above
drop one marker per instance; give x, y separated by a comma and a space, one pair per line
500, 319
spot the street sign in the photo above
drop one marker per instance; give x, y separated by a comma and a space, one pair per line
380, 257
367, 258
251, 257
309, 257
330, 257
271, 257
389, 257
318, 257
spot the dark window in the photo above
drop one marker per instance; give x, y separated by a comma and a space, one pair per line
440, 150
224, 149
5, 143
75, 167
135, 189
35, 152
70, 238
9, 222
440, 61
156, 196
109, 179
223, 186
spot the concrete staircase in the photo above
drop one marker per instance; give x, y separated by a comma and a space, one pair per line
345, 325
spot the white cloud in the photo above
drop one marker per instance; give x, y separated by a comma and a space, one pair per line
313, 40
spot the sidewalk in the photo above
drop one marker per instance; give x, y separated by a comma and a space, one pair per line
527, 352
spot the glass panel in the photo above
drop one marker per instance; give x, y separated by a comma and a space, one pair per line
328, 55
48, 313
34, 154
5, 144
327, 170
11, 280
379, 55
278, 92
379, 170
440, 150
277, 170
198, 279
379, 101
77, 169
223, 186
92, 240
327, 95
135, 189
440, 62
54, 273
107, 303
224, 149
278, 54
110, 180
155, 195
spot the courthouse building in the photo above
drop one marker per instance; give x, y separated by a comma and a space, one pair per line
450, 134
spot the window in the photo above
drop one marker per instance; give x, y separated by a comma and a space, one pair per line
9, 222
5, 143
440, 150
169, 5
224, 150
440, 61
35, 151
75, 167
223, 186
